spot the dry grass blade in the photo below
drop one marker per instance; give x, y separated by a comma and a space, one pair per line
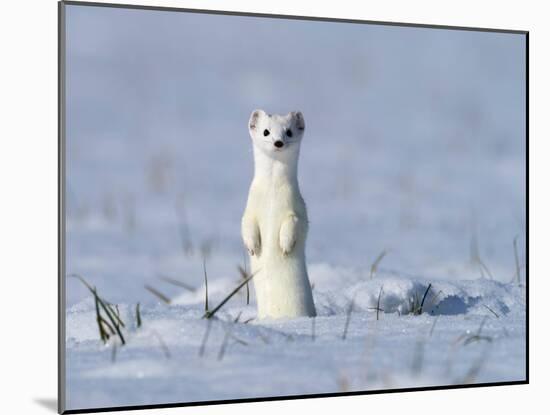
417, 304
205, 286
104, 322
377, 308
433, 326
102, 305
157, 293
113, 354
343, 383
418, 358
223, 347
183, 228
374, 266
475, 369
177, 283
162, 345
102, 334
516, 257
138, 316
481, 325
244, 274
478, 337
460, 339
116, 313
245, 260
348, 318
210, 314
378, 302
111, 318
206, 247
485, 268
205, 339
81, 279
475, 256
240, 341
491, 310
424, 298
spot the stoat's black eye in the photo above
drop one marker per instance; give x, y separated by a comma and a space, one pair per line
289, 133
266, 133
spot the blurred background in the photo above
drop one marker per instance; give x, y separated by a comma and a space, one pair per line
415, 144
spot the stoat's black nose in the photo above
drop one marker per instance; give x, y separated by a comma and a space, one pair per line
278, 144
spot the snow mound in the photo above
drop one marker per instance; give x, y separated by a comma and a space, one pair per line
404, 295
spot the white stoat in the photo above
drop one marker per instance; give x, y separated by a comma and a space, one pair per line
275, 224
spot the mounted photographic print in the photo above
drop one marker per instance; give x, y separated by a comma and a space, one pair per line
264, 207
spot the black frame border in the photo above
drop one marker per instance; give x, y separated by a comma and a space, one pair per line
61, 206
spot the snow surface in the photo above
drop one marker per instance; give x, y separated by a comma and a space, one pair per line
415, 146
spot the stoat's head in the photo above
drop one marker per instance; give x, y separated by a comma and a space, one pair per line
278, 136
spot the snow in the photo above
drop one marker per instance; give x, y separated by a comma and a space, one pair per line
275, 358
414, 146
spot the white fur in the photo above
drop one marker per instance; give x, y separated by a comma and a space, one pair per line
274, 224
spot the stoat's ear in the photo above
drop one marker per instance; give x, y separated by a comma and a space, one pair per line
255, 118
299, 120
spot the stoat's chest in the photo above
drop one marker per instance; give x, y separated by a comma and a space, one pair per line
272, 202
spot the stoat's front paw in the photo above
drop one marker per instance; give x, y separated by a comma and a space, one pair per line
253, 246
287, 243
